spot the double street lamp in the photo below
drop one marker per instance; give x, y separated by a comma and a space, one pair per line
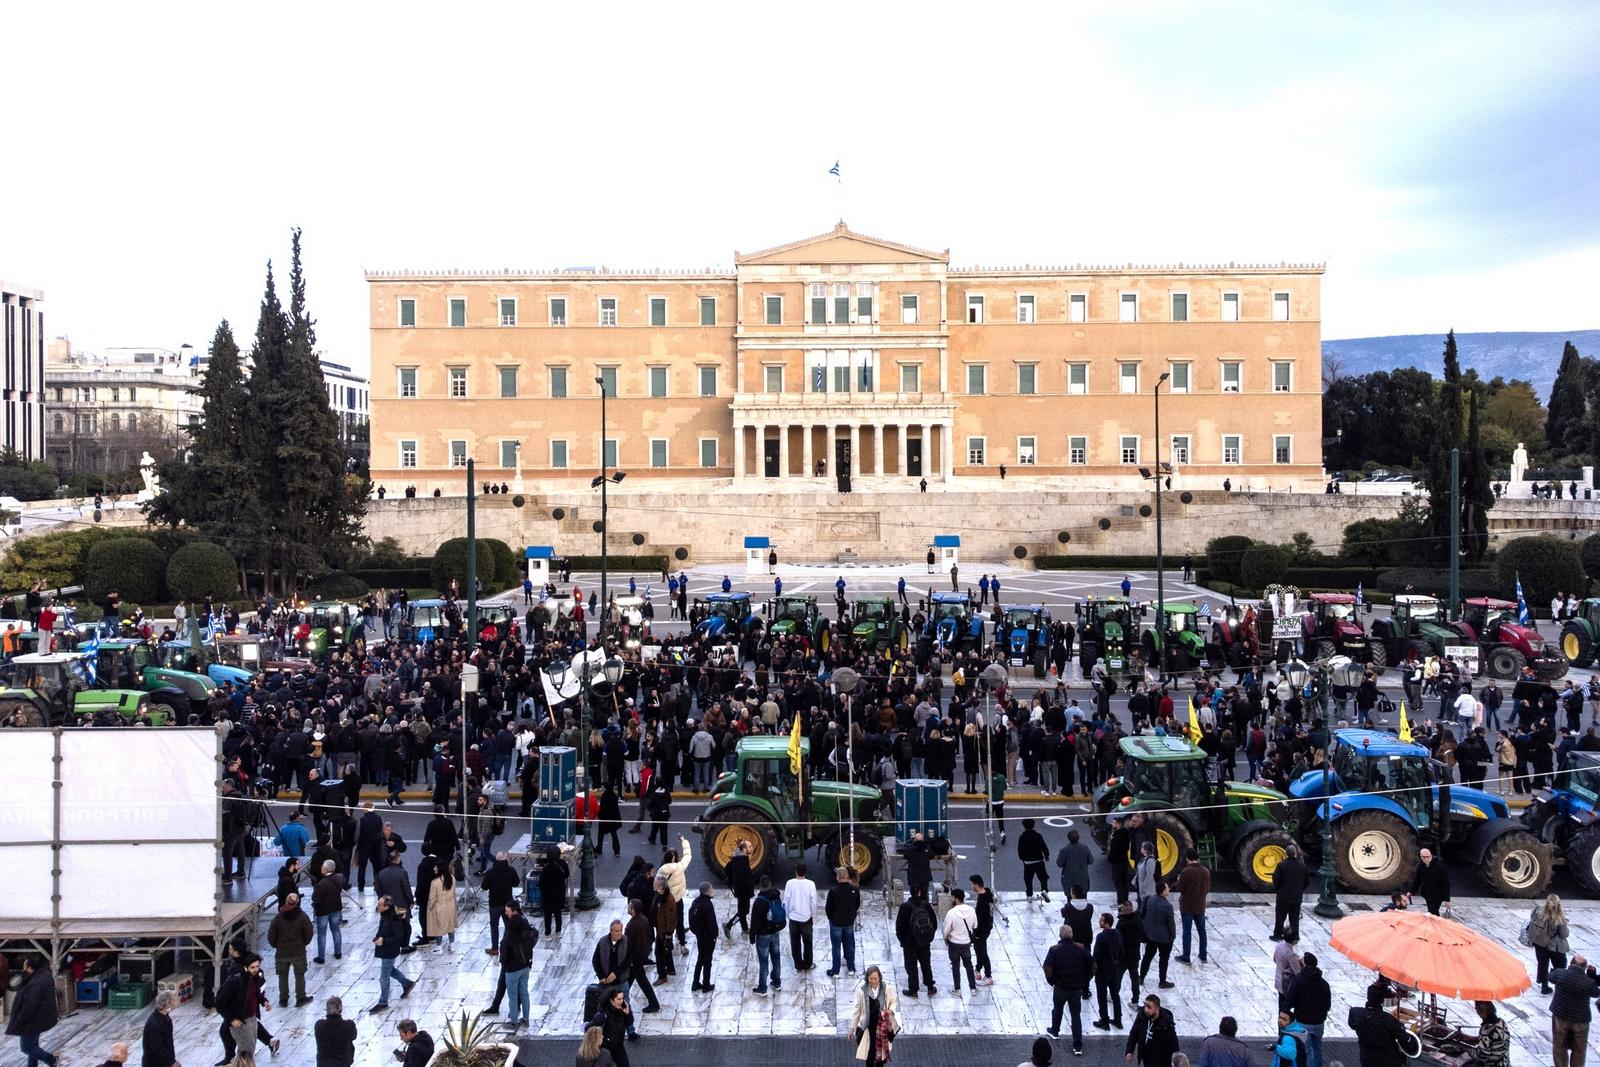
1327, 907
560, 672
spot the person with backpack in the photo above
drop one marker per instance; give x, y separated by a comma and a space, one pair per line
915, 926
1290, 1048
767, 921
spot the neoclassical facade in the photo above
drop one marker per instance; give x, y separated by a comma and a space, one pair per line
846, 353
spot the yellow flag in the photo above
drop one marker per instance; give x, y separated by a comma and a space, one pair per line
1194, 721
794, 748
1405, 725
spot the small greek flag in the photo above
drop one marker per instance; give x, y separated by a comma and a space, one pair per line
1359, 600
91, 661
834, 170
1523, 615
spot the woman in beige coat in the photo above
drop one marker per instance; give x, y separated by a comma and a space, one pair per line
875, 1019
442, 918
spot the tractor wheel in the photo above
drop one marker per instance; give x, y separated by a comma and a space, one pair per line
1214, 658
1517, 865
1233, 654
1039, 663
1259, 855
1417, 650
727, 827
1583, 859
1374, 852
1576, 645
863, 855
1378, 654
1147, 645
1326, 649
902, 639
158, 708
1088, 652
824, 638
1172, 839
1505, 662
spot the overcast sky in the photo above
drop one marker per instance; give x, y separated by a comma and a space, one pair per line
1442, 158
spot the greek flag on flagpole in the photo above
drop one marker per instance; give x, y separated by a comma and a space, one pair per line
91, 661
834, 170
1359, 601
1523, 616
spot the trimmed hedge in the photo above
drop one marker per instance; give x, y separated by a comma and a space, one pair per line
1435, 581
1546, 564
1226, 557
450, 561
1088, 562
58, 557
507, 570
1263, 565
1332, 577
200, 569
131, 565
396, 578
337, 587
1589, 553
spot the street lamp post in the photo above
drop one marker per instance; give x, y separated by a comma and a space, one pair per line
990, 678
1328, 901
559, 671
1161, 585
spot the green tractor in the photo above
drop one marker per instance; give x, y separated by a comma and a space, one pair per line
792, 614
875, 623
54, 689
1178, 632
1106, 626
1232, 823
334, 627
1580, 636
759, 803
137, 665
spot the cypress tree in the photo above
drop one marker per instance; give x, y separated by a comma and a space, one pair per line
268, 356
1477, 490
1567, 402
1447, 435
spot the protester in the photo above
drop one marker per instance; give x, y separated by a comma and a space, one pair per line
703, 924
842, 906
874, 1019
289, 933
335, 1036
1066, 970
156, 1043
1153, 1039
33, 1011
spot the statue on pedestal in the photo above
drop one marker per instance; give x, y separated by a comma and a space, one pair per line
152, 480
1518, 485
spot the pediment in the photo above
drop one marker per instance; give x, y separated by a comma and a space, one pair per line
841, 245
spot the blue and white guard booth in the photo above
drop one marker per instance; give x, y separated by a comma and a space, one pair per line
755, 554
539, 557
947, 548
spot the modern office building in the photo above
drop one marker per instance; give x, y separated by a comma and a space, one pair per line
841, 353
348, 396
23, 328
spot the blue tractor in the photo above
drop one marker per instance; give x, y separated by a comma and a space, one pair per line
1567, 816
953, 625
424, 620
1025, 632
1388, 802
729, 616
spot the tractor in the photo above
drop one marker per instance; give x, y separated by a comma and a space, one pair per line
1106, 625
953, 624
503, 617
876, 625
729, 616
760, 803
334, 627
191, 658
1567, 816
791, 614
1580, 636
1504, 645
1230, 823
1333, 628
424, 620
54, 689
1180, 633
1025, 633
1387, 802
1415, 630
137, 665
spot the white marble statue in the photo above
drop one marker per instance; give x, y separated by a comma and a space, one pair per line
1518, 485
152, 480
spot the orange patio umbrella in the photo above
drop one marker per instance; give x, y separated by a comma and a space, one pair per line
1432, 954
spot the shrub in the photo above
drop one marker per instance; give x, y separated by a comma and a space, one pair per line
1435, 581
1263, 565
1225, 556
58, 558
450, 561
395, 577
1370, 541
131, 565
507, 571
1546, 565
1589, 552
1332, 577
201, 569
337, 587
383, 555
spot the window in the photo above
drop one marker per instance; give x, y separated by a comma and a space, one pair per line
974, 308
408, 383
1282, 377
1027, 379
772, 379
708, 381
408, 311
133, 394
1025, 451
658, 311
458, 382
558, 453
1180, 307
1127, 377
558, 311
1129, 448
458, 453
1077, 307
708, 451
841, 303
116, 422
817, 370
658, 451
59, 423
1077, 379
1025, 307
1282, 448
608, 311
908, 309
608, 381
58, 394
839, 362
1077, 451
977, 379
1128, 308
458, 311
1180, 449
1230, 377
819, 303
133, 421
1231, 448
1230, 307
1280, 307
408, 454
708, 311
558, 382
774, 310
865, 364
508, 311
609, 453
911, 377
658, 381
508, 453
863, 301
1179, 382
977, 451
508, 382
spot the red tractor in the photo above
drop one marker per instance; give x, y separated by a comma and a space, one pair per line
1333, 628
1505, 646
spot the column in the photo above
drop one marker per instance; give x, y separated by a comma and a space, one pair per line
946, 447
855, 449
783, 450
878, 439
927, 449
900, 432
808, 461
738, 450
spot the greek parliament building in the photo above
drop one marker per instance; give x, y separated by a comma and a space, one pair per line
848, 354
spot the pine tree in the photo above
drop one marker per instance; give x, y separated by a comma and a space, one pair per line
1567, 402
268, 400
1477, 490
1447, 435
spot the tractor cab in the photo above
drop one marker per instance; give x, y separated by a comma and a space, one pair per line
1025, 633
1383, 764
953, 623
61, 681
334, 626
1413, 611
875, 620
1105, 629
424, 620
1487, 617
1505, 646
728, 615
1178, 631
185, 657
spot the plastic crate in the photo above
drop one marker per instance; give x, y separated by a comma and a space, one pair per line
922, 804
558, 775
90, 991
179, 985
125, 995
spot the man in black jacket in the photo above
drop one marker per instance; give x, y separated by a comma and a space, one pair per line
1034, 854
1433, 882
440, 838
1379, 1036
1288, 890
336, 1037
703, 925
501, 883
1154, 1036
156, 1043
742, 884
369, 846
641, 937
842, 906
1119, 855
387, 944
33, 1011
419, 1044
1310, 1000
1107, 958
1066, 969
915, 926
919, 863
1570, 1011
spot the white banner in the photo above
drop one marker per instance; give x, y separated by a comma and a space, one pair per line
567, 686
1467, 654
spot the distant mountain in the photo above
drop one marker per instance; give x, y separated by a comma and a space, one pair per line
1530, 356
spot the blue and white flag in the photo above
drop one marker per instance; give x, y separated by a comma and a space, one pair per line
1359, 601
91, 661
1524, 617
834, 170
